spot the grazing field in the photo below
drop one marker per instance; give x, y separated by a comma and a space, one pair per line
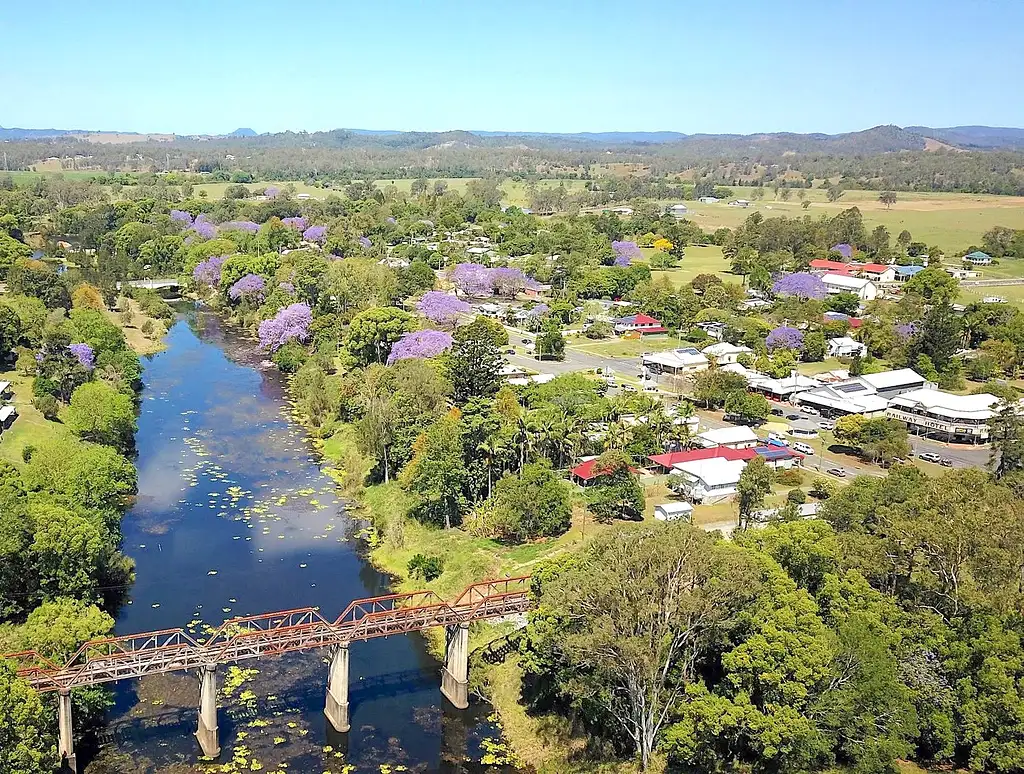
696, 260
1014, 294
30, 427
22, 177
216, 190
951, 221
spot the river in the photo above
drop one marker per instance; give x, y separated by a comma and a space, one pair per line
235, 517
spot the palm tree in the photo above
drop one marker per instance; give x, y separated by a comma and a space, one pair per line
522, 436
491, 448
681, 435
659, 422
617, 436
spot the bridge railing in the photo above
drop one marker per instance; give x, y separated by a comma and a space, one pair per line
238, 639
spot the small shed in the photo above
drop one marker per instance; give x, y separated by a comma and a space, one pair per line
678, 511
7, 416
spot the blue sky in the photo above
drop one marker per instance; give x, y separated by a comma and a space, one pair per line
588, 65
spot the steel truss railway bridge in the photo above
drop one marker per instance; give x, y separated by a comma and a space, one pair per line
272, 634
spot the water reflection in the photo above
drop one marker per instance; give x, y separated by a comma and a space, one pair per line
235, 517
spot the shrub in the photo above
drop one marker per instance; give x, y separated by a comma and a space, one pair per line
147, 327
790, 477
822, 488
796, 496
426, 567
290, 357
47, 406
26, 453
126, 317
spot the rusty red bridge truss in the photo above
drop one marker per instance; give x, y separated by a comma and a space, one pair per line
270, 634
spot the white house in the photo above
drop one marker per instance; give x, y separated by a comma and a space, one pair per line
977, 258
739, 203
709, 200
889, 384
958, 273
864, 289
710, 479
674, 361
784, 388
948, 416
7, 416
845, 347
715, 330
725, 353
878, 272
740, 437
5, 387
639, 323
682, 511
678, 211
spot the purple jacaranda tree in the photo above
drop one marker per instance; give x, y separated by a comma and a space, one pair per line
208, 271
442, 308
391, 220
507, 281
203, 227
622, 260
472, 279
627, 249
298, 223
251, 287
289, 324
287, 287
802, 285
539, 311
315, 234
241, 225
420, 344
907, 330
365, 242
784, 337
84, 353
271, 191
180, 216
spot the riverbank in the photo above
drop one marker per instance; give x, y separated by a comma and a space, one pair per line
544, 743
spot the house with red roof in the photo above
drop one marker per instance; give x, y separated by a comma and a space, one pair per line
833, 266
665, 462
639, 323
878, 272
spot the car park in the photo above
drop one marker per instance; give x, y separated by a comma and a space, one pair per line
929, 457
837, 472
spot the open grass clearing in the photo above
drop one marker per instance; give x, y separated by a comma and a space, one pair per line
30, 427
696, 260
629, 347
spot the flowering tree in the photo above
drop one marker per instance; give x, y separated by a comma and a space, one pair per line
289, 324
202, 227
84, 353
622, 260
271, 191
315, 234
181, 216
784, 337
662, 244
208, 271
250, 287
472, 278
420, 344
365, 242
802, 285
298, 223
627, 250
507, 281
442, 308
907, 330
287, 287
241, 225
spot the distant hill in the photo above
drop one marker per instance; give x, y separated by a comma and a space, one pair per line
243, 132
34, 134
985, 137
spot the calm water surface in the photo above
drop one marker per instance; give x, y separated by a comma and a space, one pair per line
235, 517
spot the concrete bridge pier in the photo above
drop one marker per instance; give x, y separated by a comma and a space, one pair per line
336, 706
66, 741
455, 675
207, 731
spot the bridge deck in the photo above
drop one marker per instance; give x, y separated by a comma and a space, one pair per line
270, 634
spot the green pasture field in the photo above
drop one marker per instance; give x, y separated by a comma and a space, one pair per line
953, 222
696, 260
628, 347
1014, 294
23, 177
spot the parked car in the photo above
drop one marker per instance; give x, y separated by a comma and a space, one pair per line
810, 411
792, 417
778, 412
628, 388
837, 472
929, 457
803, 448
827, 425
946, 462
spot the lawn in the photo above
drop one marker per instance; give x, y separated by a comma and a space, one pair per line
1014, 294
629, 347
216, 190
696, 260
21, 177
30, 427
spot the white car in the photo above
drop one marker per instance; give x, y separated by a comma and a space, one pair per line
929, 457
